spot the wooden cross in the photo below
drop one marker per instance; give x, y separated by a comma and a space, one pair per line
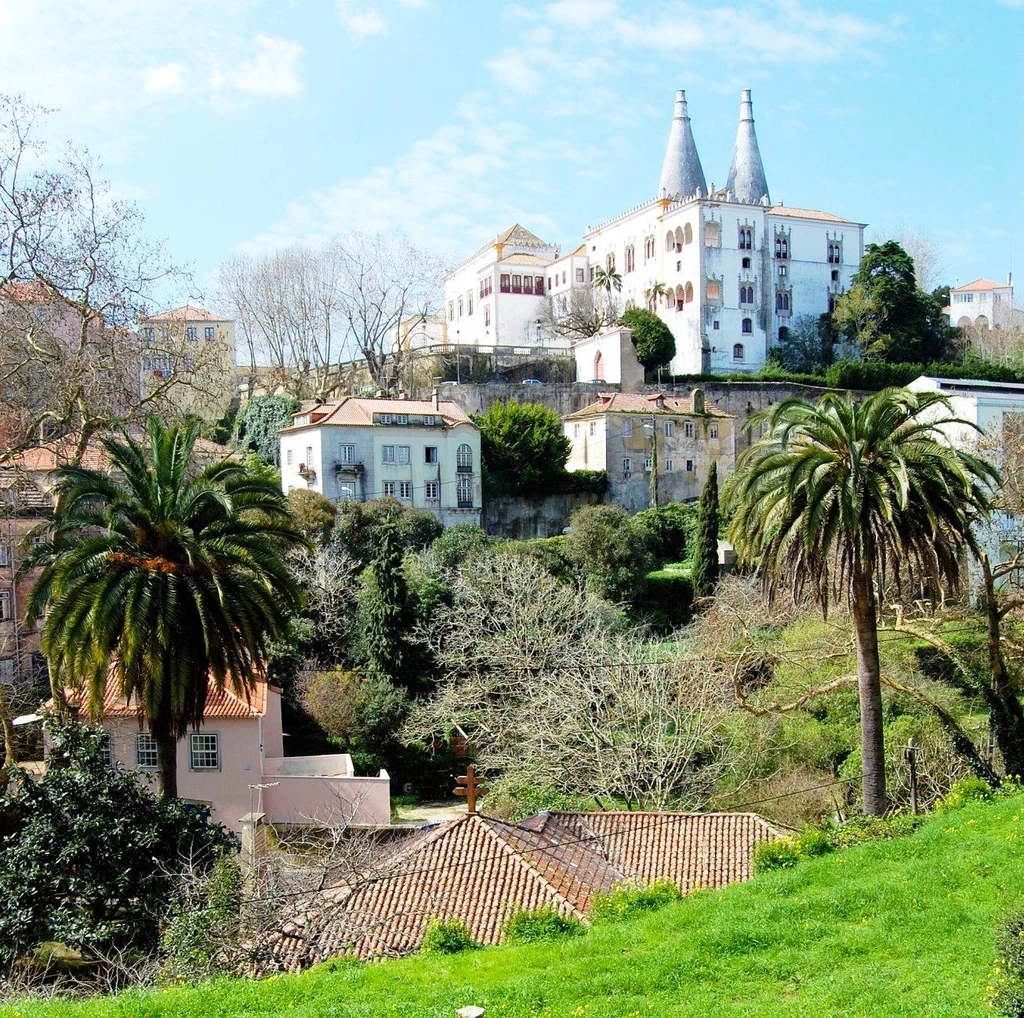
470, 788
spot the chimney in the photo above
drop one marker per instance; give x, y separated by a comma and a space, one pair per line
436, 397
254, 853
747, 181
1009, 279
681, 173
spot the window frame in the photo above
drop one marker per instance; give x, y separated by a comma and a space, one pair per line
193, 738
150, 751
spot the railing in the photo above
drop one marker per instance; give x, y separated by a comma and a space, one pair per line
349, 468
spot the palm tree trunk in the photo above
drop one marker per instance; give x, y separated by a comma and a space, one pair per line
10, 741
865, 615
167, 764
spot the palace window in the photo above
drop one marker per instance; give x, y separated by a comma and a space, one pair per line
712, 234
630, 258
503, 283
687, 234
747, 327
835, 275
782, 247
431, 491
782, 300
460, 307
737, 352
451, 310
517, 284
609, 261
389, 489
745, 263
835, 252
746, 295
746, 238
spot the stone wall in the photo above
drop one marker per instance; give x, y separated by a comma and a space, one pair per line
525, 518
738, 398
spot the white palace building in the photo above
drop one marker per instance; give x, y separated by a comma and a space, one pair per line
735, 270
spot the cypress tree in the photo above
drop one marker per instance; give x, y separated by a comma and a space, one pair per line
705, 556
385, 606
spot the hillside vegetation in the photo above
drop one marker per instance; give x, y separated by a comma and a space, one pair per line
903, 927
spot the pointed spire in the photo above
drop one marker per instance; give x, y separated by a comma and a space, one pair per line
681, 173
746, 175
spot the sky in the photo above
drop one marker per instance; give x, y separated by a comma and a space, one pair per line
246, 125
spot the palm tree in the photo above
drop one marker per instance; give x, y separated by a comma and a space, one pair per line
607, 280
840, 495
164, 579
653, 292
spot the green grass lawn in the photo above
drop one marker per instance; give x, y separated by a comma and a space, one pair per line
892, 928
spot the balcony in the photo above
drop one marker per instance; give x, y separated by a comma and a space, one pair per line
348, 469
464, 504
306, 472
466, 468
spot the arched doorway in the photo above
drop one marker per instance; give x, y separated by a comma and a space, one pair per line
598, 367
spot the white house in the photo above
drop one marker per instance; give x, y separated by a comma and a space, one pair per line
990, 406
425, 453
981, 304
732, 269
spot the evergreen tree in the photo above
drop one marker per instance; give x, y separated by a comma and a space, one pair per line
705, 555
385, 609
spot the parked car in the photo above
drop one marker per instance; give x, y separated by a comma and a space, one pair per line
531, 381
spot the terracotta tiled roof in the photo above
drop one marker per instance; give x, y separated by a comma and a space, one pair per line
220, 703
981, 284
188, 313
785, 210
480, 870
642, 403
359, 410
693, 850
517, 234
29, 292
525, 259
20, 496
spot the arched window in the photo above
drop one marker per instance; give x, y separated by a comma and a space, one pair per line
680, 298
670, 241
464, 457
688, 293
748, 326
737, 352
688, 234
679, 239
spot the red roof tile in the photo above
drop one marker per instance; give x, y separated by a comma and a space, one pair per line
359, 410
981, 284
480, 870
220, 703
643, 403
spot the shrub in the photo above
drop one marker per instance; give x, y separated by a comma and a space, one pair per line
313, 514
514, 799
965, 791
89, 856
814, 841
860, 829
665, 600
653, 339
447, 936
627, 902
782, 854
669, 530
1006, 992
456, 544
203, 923
543, 924
523, 447
609, 550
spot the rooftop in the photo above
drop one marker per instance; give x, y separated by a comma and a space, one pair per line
981, 284
359, 411
480, 870
793, 213
642, 403
220, 703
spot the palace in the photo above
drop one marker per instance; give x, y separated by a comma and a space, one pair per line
728, 271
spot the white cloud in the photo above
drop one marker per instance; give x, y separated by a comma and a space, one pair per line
360, 21
272, 69
169, 79
446, 192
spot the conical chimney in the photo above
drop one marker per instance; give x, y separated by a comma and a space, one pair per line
746, 175
681, 173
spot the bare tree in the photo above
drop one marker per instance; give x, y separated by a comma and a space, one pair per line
536, 673
577, 313
307, 310
76, 276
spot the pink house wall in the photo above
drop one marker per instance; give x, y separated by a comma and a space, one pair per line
318, 789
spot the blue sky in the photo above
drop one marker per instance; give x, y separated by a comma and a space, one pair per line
240, 125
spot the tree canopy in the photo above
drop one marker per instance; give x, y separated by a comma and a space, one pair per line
653, 339
523, 447
885, 312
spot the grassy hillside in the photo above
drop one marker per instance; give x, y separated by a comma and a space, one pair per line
893, 928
